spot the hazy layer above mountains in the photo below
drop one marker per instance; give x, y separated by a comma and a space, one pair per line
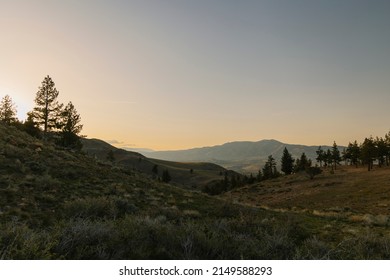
138, 150
243, 156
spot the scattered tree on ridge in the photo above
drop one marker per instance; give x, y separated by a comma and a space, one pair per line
7, 110
269, 169
368, 152
387, 141
320, 155
302, 163
352, 153
30, 126
70, 127
328, 159
287, 162
382, 148
336, 157
47, 107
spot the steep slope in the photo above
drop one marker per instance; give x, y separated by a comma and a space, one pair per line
41, 183
239, 156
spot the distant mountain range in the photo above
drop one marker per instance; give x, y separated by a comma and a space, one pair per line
188, 173
243, 156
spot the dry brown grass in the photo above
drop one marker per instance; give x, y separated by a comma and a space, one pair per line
349, 191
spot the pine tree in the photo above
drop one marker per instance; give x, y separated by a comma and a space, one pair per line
355, 153
302, 163
47, 107
269, 169
328, 158
382, 147
320, 155
259, 176
336, 157
70, 127
345, 156
7, 110
287, 162
368, 152
30, 126
387, 140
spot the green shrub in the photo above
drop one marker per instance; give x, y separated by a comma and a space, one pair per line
18, 241
90, 208
315, 249
98, 208
366, 246
85, 239
46, 183
36, 167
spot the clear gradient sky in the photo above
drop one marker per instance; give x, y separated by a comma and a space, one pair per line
178, 74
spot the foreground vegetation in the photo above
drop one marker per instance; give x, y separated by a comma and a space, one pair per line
172, 235
60, 204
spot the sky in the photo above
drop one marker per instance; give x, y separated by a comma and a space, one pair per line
178, 74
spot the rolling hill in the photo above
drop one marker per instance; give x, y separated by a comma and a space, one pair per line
243, 157
190, 174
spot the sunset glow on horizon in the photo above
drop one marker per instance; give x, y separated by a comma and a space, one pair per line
176, 74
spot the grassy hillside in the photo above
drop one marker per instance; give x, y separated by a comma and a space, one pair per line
58, 204
351, 193
350, 189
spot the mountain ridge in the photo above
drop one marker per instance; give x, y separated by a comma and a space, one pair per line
241, 156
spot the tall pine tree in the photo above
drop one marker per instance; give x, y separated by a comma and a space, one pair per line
287, 162
47, 107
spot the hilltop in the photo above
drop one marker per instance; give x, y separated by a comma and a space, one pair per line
242, 156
